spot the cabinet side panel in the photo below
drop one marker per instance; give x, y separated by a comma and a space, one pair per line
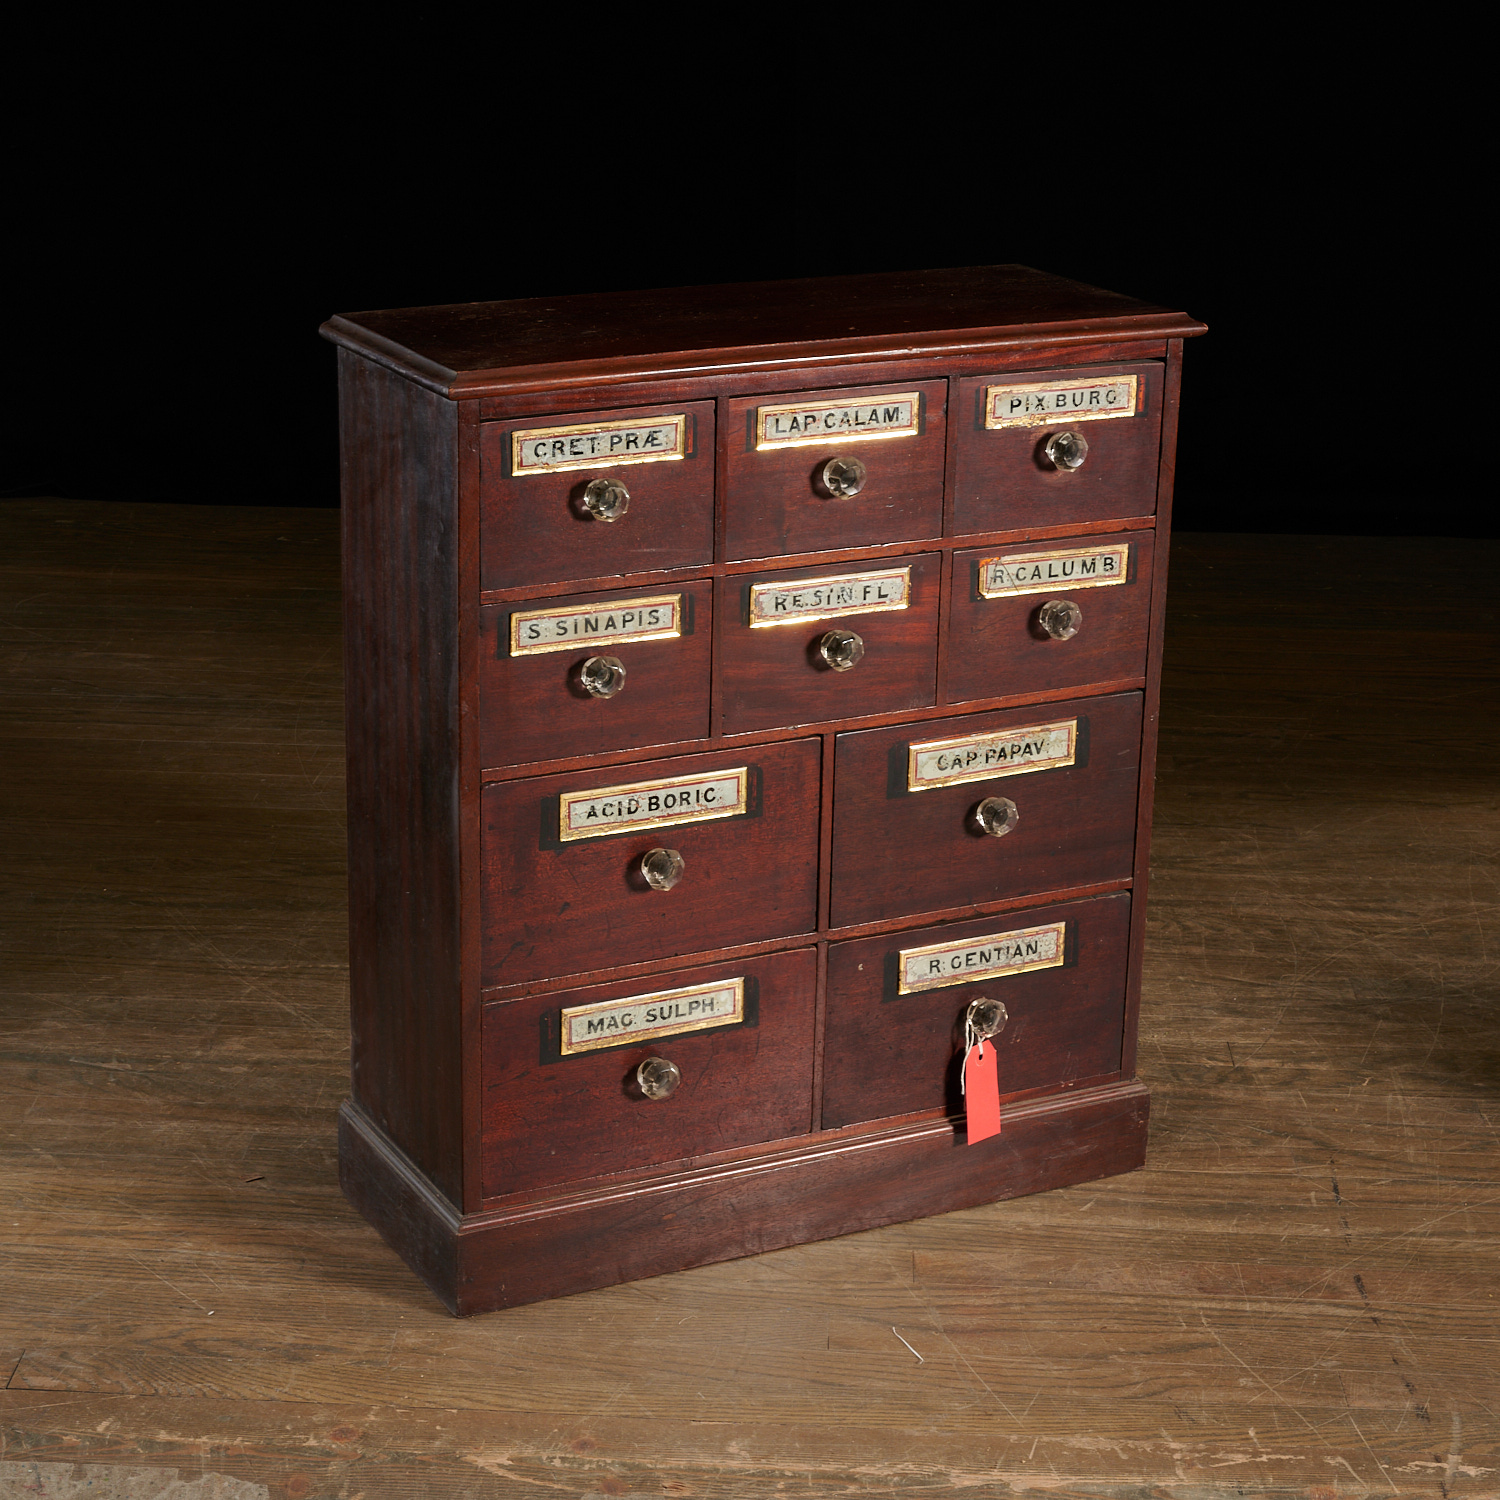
402, 705
1166, 474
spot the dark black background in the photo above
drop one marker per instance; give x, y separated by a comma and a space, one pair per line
185, 222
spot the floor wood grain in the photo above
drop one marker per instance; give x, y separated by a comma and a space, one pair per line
1298, 1296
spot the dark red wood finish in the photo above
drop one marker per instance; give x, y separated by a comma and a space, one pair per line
897, 852
401, 666
550, 1118
1063, 1027
554, 909
601, 339
534, 529
502, 1178
533, 709
1002, 482
995, 646
773, 505
772, 675
757, 1199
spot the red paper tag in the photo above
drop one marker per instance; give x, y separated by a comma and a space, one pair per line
982, 1092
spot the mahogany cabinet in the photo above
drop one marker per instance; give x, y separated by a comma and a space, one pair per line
742, 682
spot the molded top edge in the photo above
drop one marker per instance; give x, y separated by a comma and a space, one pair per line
477, 347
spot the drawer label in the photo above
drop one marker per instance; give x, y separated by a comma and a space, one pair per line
597, 445
653, 804
1046, 572
981, 757
809, 422
826, 598
586, 1028
993, 957
655, 619
1033, 405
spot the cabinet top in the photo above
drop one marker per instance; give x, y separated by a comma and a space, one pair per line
485, 348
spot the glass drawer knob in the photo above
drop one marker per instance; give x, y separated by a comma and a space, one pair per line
602, 676
996, 816
843, 477
841, 649
1066, 450
606, 499
986, 1018
1059, 619
662, 868
658, 1078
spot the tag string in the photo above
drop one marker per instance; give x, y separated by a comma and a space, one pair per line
972, 1040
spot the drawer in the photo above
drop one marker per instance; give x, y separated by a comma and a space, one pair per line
535, 524
1003, 478
772, 625
1069, 769
533, 701
776, 449
564, 905
896, 1007
1013, 608
561, 1093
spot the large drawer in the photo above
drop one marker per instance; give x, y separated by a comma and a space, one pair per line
561, 881
905, 834
533, 700
1003, 479
1060, 614
535, 524
561, 1093
776, 449
896, 1007
771, 626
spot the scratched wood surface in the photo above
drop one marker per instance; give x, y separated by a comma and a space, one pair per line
1298, 1296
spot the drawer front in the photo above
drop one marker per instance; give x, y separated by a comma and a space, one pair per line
1003, 479
1059, 971
1013, 609
772, 624
555, 905
535, 524
898, 851
776, 449
539, 658
553, 1115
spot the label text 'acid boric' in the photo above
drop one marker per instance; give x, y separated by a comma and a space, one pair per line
653, 804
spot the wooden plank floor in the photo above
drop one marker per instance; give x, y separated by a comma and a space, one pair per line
1298, 1296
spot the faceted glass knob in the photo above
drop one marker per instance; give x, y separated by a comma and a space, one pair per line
843, 476
1066, 450
1060, 619
606, 499
986, 1017
996, 816
658, 1078
602, 676
842, 650
662, 868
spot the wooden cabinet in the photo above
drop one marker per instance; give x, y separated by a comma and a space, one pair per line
741, 681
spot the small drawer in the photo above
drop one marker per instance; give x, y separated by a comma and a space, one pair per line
1057, 782
886, 445
1059, 614
563, 886
897, 1004
651, 504
782, 634
1004, 425
563, 1096
583, 673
